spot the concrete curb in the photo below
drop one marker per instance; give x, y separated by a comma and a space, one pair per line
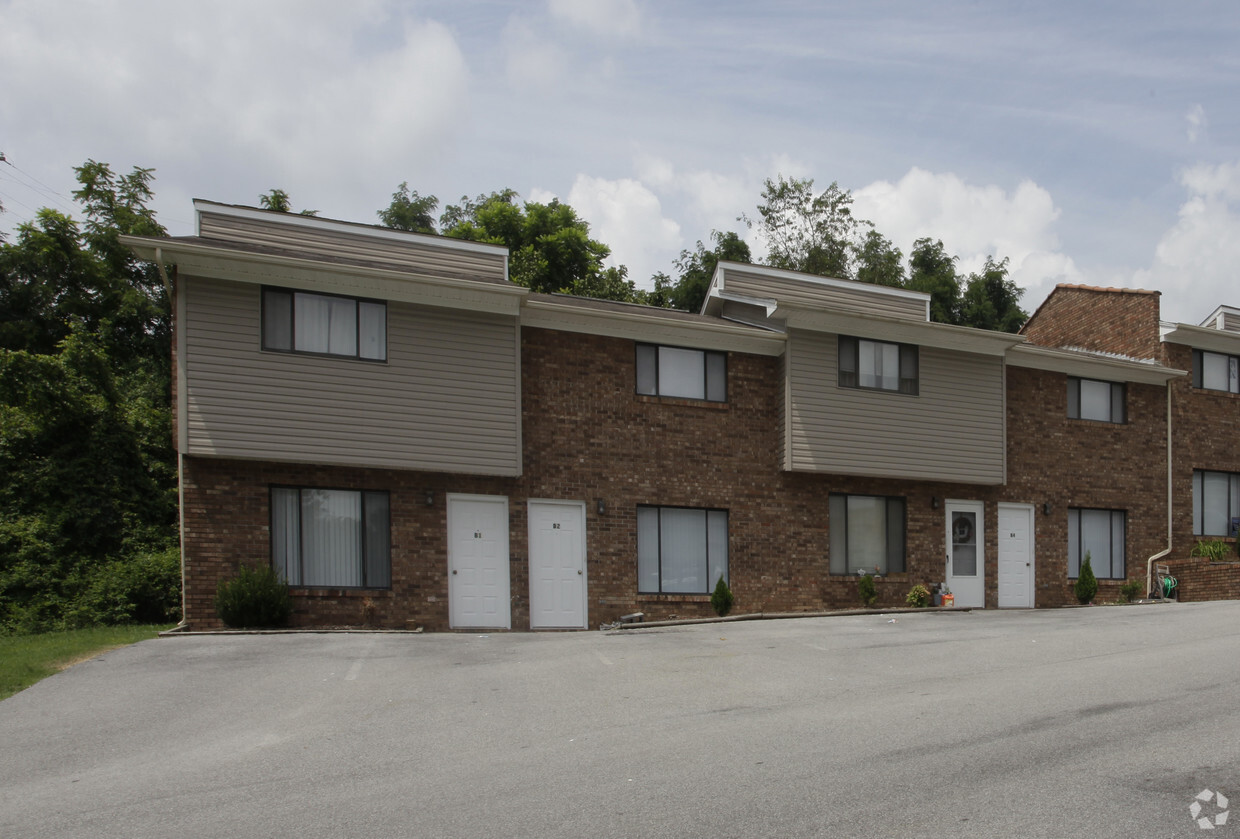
758, 616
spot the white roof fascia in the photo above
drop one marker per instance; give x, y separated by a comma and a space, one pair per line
1088, 366
641, 326
220, 263
357, 229
1202, 338
926, 334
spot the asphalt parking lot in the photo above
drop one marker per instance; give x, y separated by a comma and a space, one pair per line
1082, 722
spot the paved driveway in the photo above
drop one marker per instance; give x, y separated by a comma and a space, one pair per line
1087, 722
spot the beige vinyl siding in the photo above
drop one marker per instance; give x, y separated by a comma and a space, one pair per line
863, 299
1231, 323
447, 399
425, 255
952, 431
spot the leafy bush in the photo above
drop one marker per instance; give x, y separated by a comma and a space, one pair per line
867, 590
1086, 584
1132, 589
145, 588
721, 601
918, 597
1215, 550
255, 597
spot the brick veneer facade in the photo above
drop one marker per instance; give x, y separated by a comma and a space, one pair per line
1112, 320
589, 436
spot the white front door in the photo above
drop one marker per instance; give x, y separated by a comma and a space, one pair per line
1015, 581
557, 565
966, 552
478, 562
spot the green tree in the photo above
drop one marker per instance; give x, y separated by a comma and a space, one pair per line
410, 211
991, 299
814, 233
550, 249
278, 201
933, 271
695, 268
879, 261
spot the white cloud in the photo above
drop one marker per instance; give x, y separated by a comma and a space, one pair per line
1196, 119
628, 217
607, 18
973, 222
1195, 261
531, 60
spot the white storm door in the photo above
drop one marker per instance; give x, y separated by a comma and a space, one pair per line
557, 564
1016, 577
966, 554
478, 583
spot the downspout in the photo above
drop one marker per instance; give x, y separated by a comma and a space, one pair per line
172, 303
1149, 564
163, 275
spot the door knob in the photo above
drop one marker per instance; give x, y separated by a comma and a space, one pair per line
579, 572
453, 570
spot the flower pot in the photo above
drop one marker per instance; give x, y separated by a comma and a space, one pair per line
949, 600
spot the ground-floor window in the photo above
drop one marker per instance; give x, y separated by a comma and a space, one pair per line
331, 537
681, 550
1216, 503
1098, 534
867, 534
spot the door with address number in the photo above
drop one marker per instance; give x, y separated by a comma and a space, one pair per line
557, 564
478, 585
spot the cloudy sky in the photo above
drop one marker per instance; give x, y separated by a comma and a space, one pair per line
1094, 142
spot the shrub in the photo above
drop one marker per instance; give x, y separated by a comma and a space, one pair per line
918, 597
1086, 584
255, 597
721, 600
866, 590
1215, 550
144, 588
1131, 590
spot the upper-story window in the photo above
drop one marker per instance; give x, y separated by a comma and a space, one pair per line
878, 365
327, 324
1216, 371
689, 374
1094, 400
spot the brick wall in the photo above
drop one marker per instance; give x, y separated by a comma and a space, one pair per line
1081, 463
1123, 321
1200, 579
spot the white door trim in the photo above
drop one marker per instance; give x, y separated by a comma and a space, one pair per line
503, 613
968, 591
579, 508
1031, 558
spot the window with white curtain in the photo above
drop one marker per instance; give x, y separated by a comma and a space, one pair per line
1098, 534
333, 538
1216, 503
867, 534
681, 550
878, 365
685, 373
324, 324
1216, 371
1094, 400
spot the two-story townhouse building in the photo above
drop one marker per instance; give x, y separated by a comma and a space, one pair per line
409, 438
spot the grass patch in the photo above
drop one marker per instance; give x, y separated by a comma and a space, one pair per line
25, 659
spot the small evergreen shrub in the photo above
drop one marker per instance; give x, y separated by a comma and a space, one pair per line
255, 597
918, 597
1131, 590
721, 600
867, 590
1086, 584
1215, 550
143, 588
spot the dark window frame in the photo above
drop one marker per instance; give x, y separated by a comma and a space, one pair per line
1198, 490
1119, 397
908, 374
901, 557
643, 347
1199, 370
1079, 551
291, 314
710, 586
362, 525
